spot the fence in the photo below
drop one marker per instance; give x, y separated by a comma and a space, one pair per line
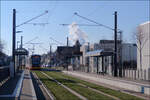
143, 74
78, 68
4, 73
137, 74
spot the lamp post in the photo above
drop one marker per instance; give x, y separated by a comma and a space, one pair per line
115, 39
14, 39
14, 33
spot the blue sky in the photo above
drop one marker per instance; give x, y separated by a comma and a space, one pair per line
130, 15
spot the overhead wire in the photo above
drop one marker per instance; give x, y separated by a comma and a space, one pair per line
56, 41
79, 25
93, 21
31, 40
32, 19
43, 48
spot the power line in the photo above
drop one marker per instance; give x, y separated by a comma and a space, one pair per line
93, 21
79, 25
38, 23
56, 41
43, 48
32, 19
31, 40
33, 46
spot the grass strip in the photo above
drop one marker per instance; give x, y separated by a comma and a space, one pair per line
59, 92
86, 92
122, 96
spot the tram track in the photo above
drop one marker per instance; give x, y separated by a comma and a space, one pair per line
87, 90
49, 94
92, 89
67, 88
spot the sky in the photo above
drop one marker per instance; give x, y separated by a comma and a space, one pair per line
130, 15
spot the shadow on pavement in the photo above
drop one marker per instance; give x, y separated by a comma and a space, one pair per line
38, 91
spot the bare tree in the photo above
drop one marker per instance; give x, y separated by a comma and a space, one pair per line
1, 46
141, 40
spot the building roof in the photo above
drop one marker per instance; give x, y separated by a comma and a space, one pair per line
109, 41
67, 51
2, 54
147, 22
21, 51
100, 52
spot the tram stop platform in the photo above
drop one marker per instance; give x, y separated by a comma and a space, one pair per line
18, 88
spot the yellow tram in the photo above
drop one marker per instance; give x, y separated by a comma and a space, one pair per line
35, 62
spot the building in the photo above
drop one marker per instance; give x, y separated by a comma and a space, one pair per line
129, 56
99, 58
69, 55
143, 47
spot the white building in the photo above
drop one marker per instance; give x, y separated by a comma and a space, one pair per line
144, 34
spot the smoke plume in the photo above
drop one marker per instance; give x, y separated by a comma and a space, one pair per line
75, 33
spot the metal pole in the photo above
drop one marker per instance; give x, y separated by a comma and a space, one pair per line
21, 41
14, 38
88, 58
130, 56
67, 42
33, 49
17, 44
121, 66
50, 54
97, 65
115, 39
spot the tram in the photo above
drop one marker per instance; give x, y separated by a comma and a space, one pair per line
35, 62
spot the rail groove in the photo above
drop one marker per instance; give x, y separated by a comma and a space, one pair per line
70, 90
98, 91
49, 93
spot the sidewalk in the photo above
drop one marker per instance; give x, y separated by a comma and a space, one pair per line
27, 92
123, 79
